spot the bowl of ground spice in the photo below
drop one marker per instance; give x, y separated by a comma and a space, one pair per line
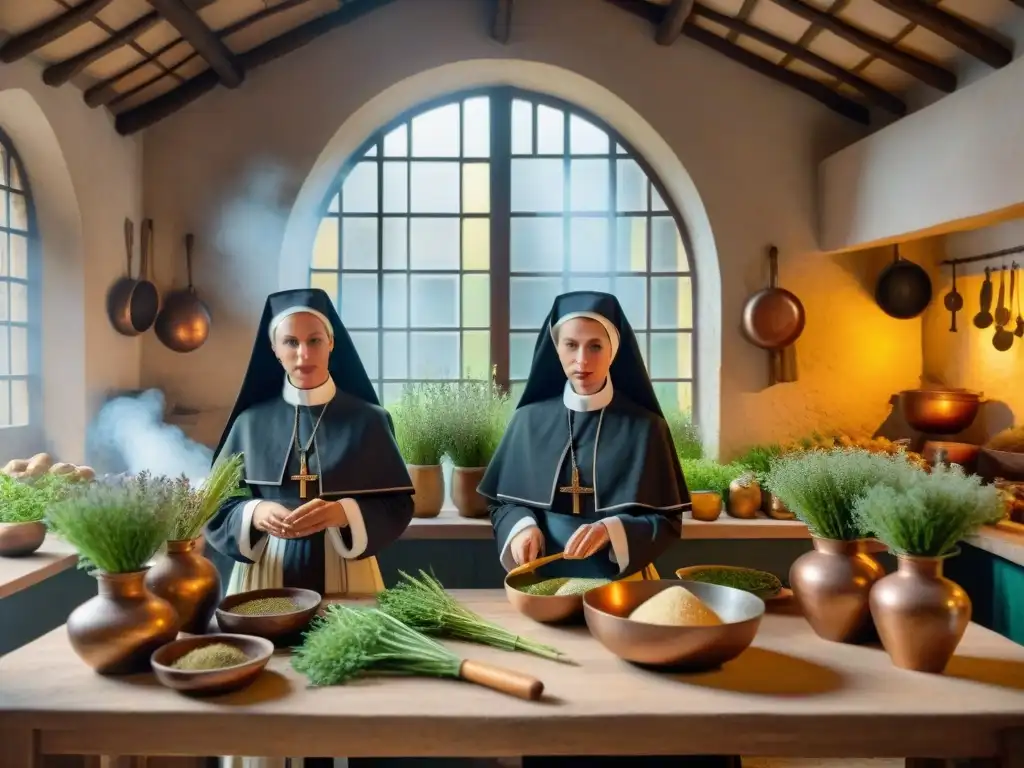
279, 615
211, 664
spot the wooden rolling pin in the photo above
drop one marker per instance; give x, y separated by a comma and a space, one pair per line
501, 679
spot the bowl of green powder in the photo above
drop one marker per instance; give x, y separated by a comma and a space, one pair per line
549, 600
278, 614
211, 664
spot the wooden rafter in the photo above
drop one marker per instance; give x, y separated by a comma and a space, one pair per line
20, 46
672, 25
61, 72
871, 92
925, 71
953, 29
146, 114
220, 58
501, 20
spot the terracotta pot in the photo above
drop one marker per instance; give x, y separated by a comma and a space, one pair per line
189, 582
831, 585
464, 483
20, 539
117, 631
920, 615
428, 481
706, 506
744, 497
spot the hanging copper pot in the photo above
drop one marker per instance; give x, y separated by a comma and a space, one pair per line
132, 303
773, 319
183, 324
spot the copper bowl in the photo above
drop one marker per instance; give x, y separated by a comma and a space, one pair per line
275, 627
211, 681
939, 411
20, 539
964, 454
694, 649
547, 609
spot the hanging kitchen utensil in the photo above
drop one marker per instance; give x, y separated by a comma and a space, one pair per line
1002, 313
954, 302
1019, 331
773, 319
903, 289
183, 324
132, 303
984, 317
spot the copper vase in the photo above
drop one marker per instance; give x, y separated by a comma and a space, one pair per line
117, 631
464, 496
920, 615
189, 582
831, 584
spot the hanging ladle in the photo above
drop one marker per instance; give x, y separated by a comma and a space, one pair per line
1003, 339
984, 317
1019, 330
954, 302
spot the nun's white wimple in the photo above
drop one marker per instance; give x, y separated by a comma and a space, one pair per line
280, 316
610, 329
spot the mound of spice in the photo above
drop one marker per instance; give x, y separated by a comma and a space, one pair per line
266, 606
561, 586
212, 656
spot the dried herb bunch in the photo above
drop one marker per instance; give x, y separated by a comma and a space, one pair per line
927, 514
418, 417
26, 500
116, 526
195, 506
475, 415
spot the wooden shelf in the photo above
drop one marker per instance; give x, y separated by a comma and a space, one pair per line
18, 573
1005, 540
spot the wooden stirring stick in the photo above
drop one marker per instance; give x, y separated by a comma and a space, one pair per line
533, 565
501, 679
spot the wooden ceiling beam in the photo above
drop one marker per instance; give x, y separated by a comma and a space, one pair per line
925, 71
61, 72
144, 115
20, 46
877, 96
203, 39
501, 20
671, 26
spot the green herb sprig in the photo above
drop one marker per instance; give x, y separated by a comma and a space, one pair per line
685, 435
419, 423
710, 475
475, 415
194, 507
26, 500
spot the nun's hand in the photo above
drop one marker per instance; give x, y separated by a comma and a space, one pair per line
314, 516
527, 545
586, 541
270, 517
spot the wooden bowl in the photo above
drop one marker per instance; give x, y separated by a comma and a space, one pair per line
275, 627
20, 539
607, 609
210, 682
547, 609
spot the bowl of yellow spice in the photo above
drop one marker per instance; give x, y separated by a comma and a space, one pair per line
211, 664
278, 614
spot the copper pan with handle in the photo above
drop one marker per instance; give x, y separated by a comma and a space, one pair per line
773, 319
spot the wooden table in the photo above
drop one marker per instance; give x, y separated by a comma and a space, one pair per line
18, 573
790, 694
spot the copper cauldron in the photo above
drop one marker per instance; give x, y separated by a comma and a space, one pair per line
939, 411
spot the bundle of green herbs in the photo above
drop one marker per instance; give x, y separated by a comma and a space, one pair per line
822, 487
709, 475
424, 605
116, 527
475, 416
419, 418
193, 507
928, 513
685, 435
26, 500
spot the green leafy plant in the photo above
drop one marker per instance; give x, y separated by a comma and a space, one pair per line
821, 488
117, 527
709, 475
927, 514
26, 500
419, 423
685, 435
475, 416
193, 507
759, 459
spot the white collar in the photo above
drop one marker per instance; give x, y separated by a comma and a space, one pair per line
584, 403
315, 396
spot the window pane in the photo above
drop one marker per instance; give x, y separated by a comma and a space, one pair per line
335, 204
550, 131
537, 185
588, 245
585, 138
631, 244
19, 256
620, 150
4, 304
520, 353
435, 188
4, 261
589, 181
396, 302
3, 207
476, 127
476, 301
578, 283
19, 211
632, 295
396, 243
631, 186
371, 152
359, 193
674, 396
641, 340
4, 358
476, 188
657, 204
522, 127
326, 281
671, 302
359, 301
516, 390
436, 133
476, 243
3, 164
325, 247
670, 356
359, 243
365, 343
396, 355
435, 244
396, 187
19, 403
5, 404
392, 393
434, 301
19, 351
396, 143
531, 298
667, 251
476, 355
434, 355
536, 245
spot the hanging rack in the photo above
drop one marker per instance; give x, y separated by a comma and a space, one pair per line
985, 256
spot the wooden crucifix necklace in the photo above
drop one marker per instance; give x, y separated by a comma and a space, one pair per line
575, 489
304, 476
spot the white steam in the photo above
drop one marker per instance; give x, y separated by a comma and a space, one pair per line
133, 430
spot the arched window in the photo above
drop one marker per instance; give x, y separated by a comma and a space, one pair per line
19, 300
451, 231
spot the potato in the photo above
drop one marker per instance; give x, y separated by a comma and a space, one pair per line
62, 468
15, 465
39, 463
85, 473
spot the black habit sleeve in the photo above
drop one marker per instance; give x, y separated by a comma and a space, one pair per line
374, 523
224, 529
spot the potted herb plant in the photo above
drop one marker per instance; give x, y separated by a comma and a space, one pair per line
921, 615
117, 527
418, 431
708, 482
23, 505
758, 459
184, 577
475, 418
831, 583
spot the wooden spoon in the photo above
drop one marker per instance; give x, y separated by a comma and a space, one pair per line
984, 317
